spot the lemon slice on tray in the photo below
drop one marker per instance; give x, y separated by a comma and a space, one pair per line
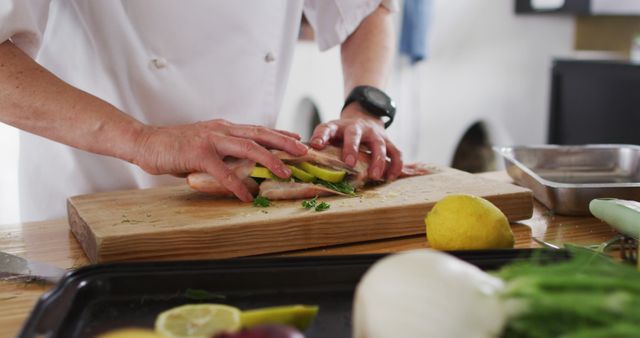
198, 321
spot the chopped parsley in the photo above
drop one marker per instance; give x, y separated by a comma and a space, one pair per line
310, 204
313, 204
261, 201
323, 206
342, 187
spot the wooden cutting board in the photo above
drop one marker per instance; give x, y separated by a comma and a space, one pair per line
169, 223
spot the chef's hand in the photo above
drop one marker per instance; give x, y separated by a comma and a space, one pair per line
201, 147
354, 127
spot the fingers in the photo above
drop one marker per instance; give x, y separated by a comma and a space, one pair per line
357, 135
378, 157
225, 176
351, 144
322, 134
270, 138
288, 133
244, 148
395, 167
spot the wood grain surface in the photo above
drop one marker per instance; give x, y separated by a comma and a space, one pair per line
178, 223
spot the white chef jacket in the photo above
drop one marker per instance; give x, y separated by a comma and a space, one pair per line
163, 62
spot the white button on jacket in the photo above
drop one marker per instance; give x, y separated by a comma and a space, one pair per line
160, 63
163, 62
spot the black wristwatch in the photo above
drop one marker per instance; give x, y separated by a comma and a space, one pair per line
374, 101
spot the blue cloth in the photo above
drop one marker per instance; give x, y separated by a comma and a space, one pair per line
415, 24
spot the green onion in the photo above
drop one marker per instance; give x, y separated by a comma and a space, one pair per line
623, 215
589, 295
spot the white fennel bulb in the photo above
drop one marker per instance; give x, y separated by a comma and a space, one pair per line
427, 293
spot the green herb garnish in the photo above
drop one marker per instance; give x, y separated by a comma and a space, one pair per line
309, 204
341, 186
323, 206
261, 201
313, 204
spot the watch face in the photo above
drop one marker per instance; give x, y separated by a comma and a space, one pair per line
377, 97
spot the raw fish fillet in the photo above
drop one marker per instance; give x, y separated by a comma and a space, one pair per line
280, 190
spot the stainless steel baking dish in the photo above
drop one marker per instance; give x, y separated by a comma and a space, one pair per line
567, 178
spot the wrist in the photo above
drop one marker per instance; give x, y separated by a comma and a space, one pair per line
133, 136
355, 111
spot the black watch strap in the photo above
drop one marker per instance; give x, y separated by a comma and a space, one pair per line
373, 101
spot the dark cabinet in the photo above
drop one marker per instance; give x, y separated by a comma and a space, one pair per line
594, 102
569, 7
579, 7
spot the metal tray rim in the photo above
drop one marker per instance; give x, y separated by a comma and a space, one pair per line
506, 152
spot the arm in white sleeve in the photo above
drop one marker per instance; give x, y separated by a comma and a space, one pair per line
23, 22
334, 20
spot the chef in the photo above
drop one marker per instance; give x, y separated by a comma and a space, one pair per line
116, 94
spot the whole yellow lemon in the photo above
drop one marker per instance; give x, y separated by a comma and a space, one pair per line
467, 222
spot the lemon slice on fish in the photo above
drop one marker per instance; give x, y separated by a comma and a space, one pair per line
329, 175
261, 172
198, 321
301, 174
299, 316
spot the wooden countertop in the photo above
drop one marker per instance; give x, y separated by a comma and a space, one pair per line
52, 242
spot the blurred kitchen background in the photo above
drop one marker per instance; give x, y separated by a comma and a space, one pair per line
473, 74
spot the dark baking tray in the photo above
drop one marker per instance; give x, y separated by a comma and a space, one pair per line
94, 299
